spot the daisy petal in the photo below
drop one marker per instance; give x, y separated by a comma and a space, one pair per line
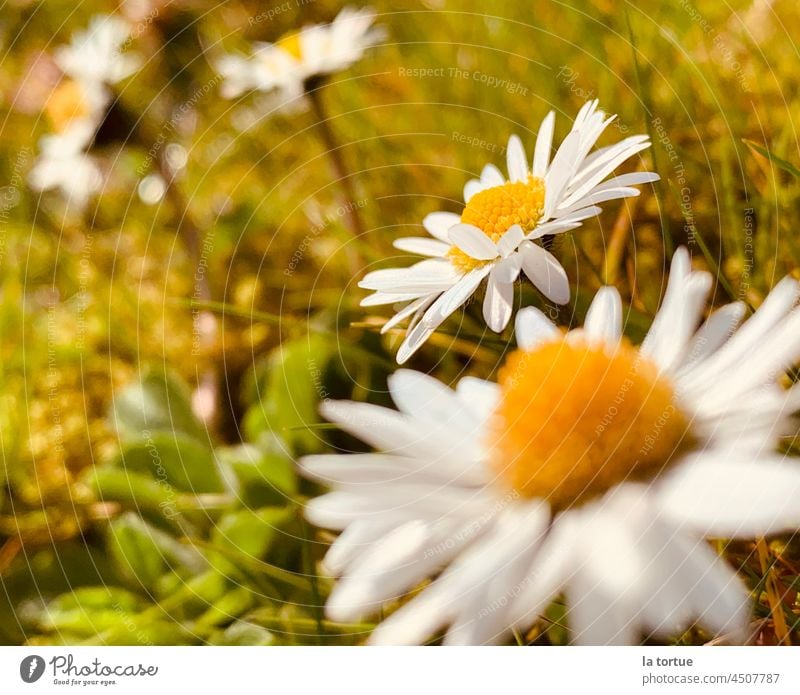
438, 224
544, 141
533, 328
733, 499
516, 160
545, 272
604, 318
491, 176
498, 304
473, 242
471, 188
422, 246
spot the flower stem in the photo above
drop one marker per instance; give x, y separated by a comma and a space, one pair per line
334, 152
773, 593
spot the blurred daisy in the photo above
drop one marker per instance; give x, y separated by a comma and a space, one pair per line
77, 106
64, 165
494, 237
593, 468
97, 54
290, 63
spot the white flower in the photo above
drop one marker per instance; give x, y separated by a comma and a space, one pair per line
63, 164
592, 468
96, 54
312, 51
92, 61
494, 236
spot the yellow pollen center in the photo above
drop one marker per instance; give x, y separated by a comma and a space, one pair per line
495, 210
575, 419
66, 104
291, 44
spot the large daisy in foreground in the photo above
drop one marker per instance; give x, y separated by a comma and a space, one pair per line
593, 468
495, 236
288, 64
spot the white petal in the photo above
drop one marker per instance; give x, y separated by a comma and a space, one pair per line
472, 187
498, 304
713, 334
563, 224
491, 176
421, 396
552, 568
414, 307
445, 305
733, 499
544, 141
422, 246
545, 272
507, 269
510, 240
741, 345
438, 224
516, 160
473, 242
533, 328
561, 172
480, 395
598, 618
604, 318
595, 197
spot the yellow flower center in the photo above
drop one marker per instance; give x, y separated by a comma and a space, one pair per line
67, 103
495, 210
576, 419
291, 44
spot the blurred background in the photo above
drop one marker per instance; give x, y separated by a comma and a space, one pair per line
164, 349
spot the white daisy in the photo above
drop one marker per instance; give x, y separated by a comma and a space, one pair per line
593, 468
94, 59
64, 165
494, 237
96, 54
288, 64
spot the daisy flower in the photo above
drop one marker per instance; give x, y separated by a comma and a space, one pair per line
96, 55
592, 468
494, 237
93, 60
64, 165
288, 64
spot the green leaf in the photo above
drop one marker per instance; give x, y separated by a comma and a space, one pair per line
247, 533
142, 553
134, 551
114, 484
242, 633
175, 460
160, 402
779, 162
228, 607
290, 393
264, 475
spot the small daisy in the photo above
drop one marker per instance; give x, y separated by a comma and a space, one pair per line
494, 237
97, 54
288, 64
76, 108
592, 469
64, 165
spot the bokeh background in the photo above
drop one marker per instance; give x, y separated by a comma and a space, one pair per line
163, 351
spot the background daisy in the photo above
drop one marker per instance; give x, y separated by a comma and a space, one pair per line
494, 238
